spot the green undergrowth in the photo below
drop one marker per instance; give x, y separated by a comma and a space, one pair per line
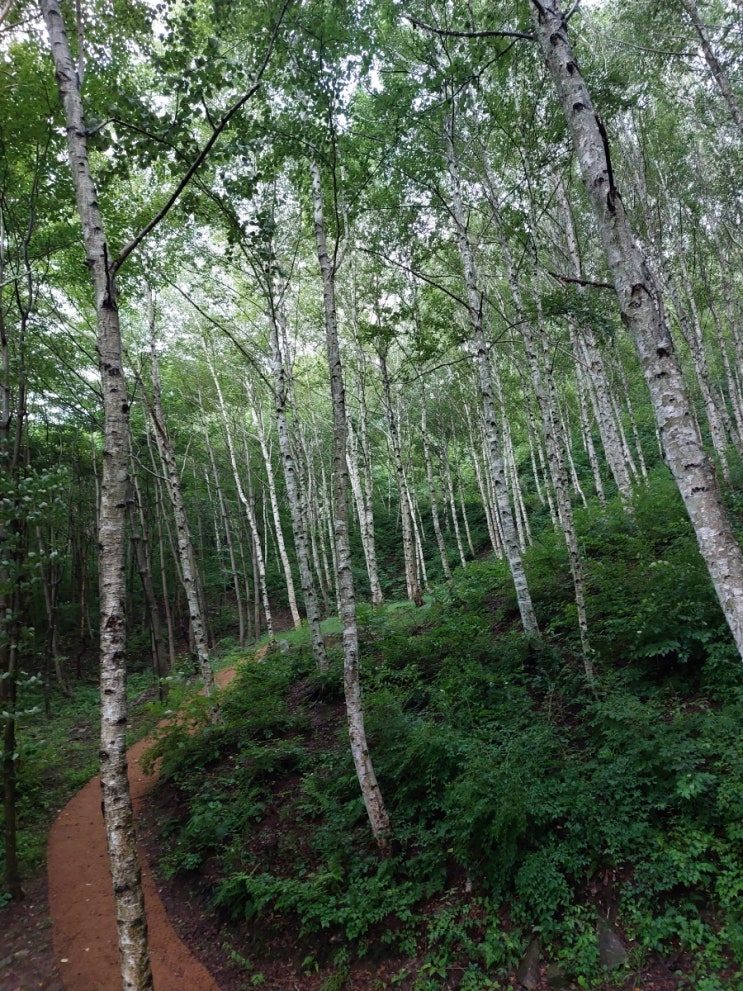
58, 754
523, 801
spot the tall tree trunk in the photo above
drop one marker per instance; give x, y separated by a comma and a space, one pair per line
227, 530
260, 567
160, 516
11, 541
554, 436
140, 542
582, 388
362, 485
370, 790
117, 807
643, 313
184, 543
588, 356
295, 491
270, 478
476, 304
440, 543
713, 62
408, 547
451, 501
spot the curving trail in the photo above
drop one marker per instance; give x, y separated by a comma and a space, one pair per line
81, 900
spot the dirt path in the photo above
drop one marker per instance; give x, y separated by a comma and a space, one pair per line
81, 901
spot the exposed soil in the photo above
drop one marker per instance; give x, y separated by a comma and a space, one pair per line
76, 949
27, 959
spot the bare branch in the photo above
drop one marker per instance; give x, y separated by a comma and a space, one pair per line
580, 282
444, 33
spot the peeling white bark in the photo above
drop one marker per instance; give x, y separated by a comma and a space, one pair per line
117, 807
643, 313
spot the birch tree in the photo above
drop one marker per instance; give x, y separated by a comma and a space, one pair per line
117, 806
370, 790
184, 540
643, 312
476, 304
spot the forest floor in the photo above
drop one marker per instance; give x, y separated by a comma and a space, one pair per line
62, 937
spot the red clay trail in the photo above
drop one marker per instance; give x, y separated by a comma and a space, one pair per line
81, 900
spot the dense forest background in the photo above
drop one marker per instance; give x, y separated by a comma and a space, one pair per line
311, 308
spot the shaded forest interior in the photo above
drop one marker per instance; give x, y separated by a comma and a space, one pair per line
406, 340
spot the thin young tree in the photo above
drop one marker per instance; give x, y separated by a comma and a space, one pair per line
352, 688
476, 305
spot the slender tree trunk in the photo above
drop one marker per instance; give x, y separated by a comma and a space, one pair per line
227, 530
440, 542
713, 62
160, 516
283, 555
555, 437
186, 557
140, 542
295, 491
11, 542
452, 502
52, 579
259, 563
417, 524
463, 509
485, 496
117, 807
367, 475
370, 790
585, 418
589, 357
691, 331
476, 301
408, 547
643, 312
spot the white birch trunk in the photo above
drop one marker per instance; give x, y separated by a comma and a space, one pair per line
117, 807
585, 419
278, 529
247, 503
440, 543
588, 356
417, 523
295, 491
227, 530
642, 312
370, 790
408, 547
713, 62
476, 303
452, 502
487, 503
366, 517
691, 331
184, 541
367, 480
554, 435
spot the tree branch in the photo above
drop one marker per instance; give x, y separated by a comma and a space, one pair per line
200, 158
580, 282
443, 33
